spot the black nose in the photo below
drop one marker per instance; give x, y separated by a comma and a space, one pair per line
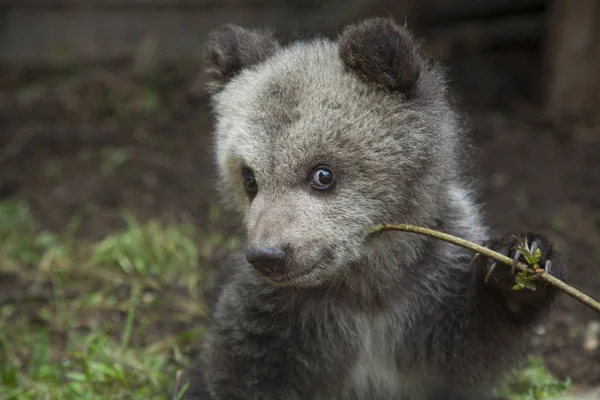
269, 261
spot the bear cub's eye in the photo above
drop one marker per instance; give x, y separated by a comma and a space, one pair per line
322, 177
249, 181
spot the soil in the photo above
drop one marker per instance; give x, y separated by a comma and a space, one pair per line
97, 135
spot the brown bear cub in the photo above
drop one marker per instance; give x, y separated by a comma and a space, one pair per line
315, 143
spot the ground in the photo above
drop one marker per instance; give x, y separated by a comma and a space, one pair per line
80, 147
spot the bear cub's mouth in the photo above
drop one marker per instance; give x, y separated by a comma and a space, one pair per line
296, 275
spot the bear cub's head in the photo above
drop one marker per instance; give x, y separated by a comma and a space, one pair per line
319, 140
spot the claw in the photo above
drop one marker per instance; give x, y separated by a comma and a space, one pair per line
472, 260
487, 276
515, 260
534, 246
548, 266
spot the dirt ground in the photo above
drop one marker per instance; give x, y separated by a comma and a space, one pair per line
61, 133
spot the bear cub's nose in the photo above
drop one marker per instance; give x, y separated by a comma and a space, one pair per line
269, 261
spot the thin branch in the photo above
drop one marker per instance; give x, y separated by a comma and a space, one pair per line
177, 385
542, 276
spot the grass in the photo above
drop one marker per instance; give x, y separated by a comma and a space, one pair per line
533, 382
112, 319
117, 318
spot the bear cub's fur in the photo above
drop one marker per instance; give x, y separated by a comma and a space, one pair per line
316, 142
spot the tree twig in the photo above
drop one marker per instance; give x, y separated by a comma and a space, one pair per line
542, 276
177, 385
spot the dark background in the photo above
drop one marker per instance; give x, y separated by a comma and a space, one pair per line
83, 79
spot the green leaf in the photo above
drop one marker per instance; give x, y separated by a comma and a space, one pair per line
182, 391
537, 256
529, 258
524, 282
532, 382
76, 376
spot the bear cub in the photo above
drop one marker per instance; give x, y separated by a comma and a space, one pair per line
316, 142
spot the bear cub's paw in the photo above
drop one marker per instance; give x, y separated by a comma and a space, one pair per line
535, 293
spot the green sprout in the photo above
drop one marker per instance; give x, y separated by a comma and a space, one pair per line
524, 278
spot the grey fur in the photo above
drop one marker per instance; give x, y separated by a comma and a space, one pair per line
399, 316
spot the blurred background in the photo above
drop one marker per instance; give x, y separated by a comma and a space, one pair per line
111, 236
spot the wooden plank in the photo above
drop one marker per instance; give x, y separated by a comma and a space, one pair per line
84, 34
481, 34
172, 4
444, 11
573, 59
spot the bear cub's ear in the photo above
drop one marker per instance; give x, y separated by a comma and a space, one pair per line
230, 48
380, 51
